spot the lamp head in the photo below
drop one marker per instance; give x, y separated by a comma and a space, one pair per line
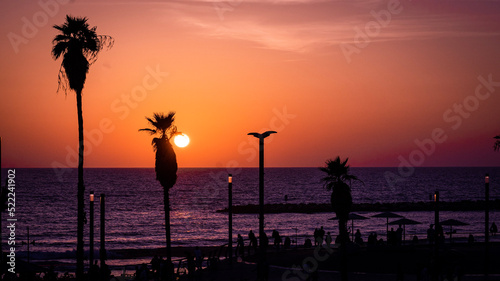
263, 135
268, 133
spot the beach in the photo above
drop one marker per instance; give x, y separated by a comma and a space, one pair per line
380, 262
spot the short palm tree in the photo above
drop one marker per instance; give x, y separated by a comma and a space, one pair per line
166, 162
79, 45
496, 147
337, 173
337, 176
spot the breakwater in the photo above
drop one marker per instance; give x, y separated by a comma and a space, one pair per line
465, 205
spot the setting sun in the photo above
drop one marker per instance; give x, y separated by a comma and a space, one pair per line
181, 140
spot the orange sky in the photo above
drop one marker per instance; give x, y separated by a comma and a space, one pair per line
362, 79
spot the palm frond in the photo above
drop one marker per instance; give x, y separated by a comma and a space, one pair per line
496, 146
151, 122
62, 80
59, 49
161, 124
151, 131
337, 171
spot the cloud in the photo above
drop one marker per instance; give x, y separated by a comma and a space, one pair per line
309, 25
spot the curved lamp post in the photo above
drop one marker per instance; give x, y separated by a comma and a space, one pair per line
486, 224
261, 138
91, 230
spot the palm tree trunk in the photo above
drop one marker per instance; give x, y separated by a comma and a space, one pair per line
344, 238
166, 203
81, 191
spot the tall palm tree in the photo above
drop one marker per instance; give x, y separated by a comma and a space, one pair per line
496, 147
337, 176
78, 44
165, 164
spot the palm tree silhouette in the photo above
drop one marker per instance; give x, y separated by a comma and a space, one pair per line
337, 173
496, 147
79, 45
165, 164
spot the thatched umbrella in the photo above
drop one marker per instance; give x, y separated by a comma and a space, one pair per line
451, 223
387, 215
404, 222
352, 217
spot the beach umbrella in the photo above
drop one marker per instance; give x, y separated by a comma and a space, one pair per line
352, 218
387, 215
452, 223
404, 222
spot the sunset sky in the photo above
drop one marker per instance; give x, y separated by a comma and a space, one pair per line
381, 82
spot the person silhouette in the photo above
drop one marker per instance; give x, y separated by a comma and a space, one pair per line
240, 246
328, 239
308, 243
493, 229
399, 235
372, 239
391, 238
357, 237
287, 243
470, 240
430, 234
191, 266
321, 235
155, 267
439, 229
198, 257
277, 239
253, 241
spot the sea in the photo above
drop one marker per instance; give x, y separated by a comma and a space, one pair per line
46, 206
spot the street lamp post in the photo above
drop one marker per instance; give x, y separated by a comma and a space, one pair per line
102, 251
230, 220
261, 138
486, 223
91, 230
436, 230
1, 197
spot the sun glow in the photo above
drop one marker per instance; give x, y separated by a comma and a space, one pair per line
181, 140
